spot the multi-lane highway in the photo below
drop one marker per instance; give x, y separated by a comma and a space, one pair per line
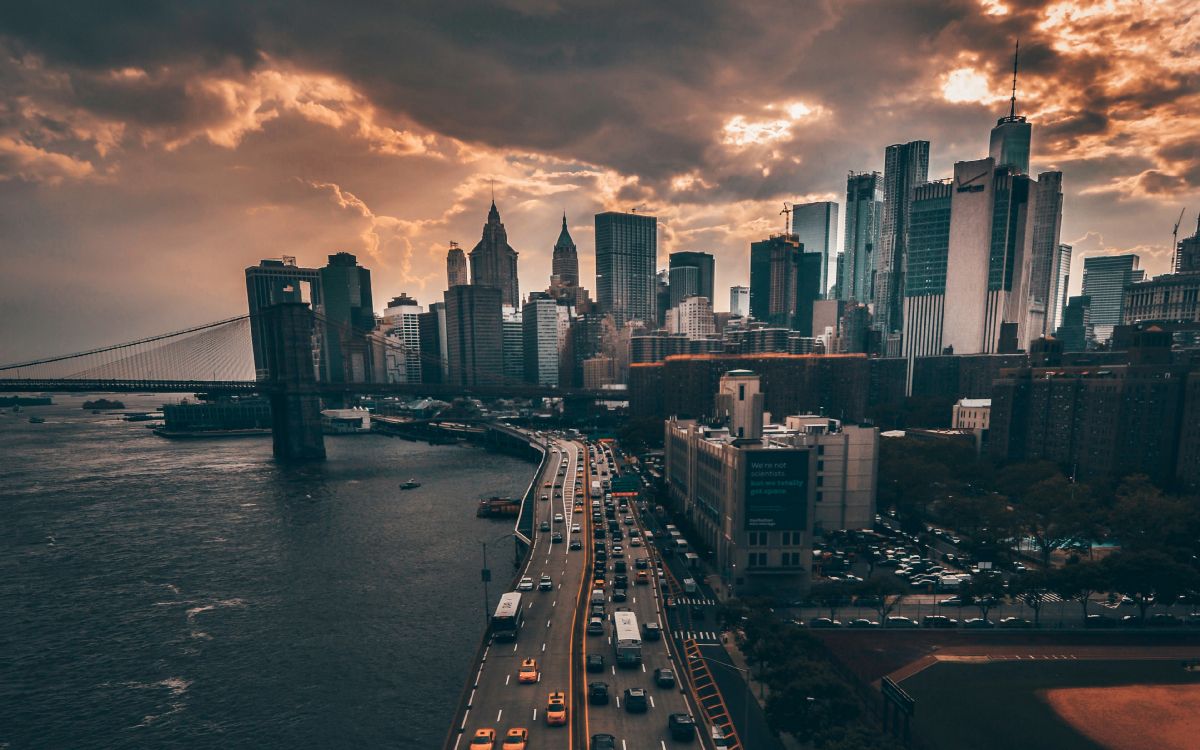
498, 700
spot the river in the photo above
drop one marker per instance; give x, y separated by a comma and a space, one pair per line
195, 594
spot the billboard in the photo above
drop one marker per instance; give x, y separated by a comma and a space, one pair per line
776, 490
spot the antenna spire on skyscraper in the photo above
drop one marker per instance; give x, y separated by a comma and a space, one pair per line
1012, 110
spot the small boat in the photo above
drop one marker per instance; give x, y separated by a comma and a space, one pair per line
411, 484
37, 420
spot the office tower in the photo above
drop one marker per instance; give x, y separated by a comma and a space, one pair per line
906, 165
494, 262
816, 224
348, 320
1105, 278
987, 272
693, 317
513, 348
272, 282
739, 300
1062, 281
474, 335
401, 330
925, 274
804, 292
784, 282
539, 319
584, 340
456, 266
662, 296
626, 253
704, 265
565, 263
1172, 297
1187, 253
431, 328
683, 282
1009, 145
1044, 260
864, 214
1075, 332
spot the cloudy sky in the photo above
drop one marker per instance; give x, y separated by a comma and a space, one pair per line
149, 151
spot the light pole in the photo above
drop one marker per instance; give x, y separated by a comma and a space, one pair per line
485, 575
745, 701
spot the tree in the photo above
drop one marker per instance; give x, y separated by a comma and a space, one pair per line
984, 590
833, 596
885, 594
1054, 513
1143, 518
1147, 577
1031, 588
1077, 581
811, 701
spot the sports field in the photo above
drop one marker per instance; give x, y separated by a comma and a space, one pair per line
1038, 703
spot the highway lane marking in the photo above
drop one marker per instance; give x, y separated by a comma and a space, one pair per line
543, 646
507, 677
651, 700
499, 714
457, 740
471, 700
514, 647
464, 721
547, 623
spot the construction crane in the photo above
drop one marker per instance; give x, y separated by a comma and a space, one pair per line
786, 213
1175, 241
635, 209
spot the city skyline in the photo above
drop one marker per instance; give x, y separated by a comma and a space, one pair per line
134, 163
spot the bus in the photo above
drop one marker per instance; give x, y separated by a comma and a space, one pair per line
506, 623
627, 641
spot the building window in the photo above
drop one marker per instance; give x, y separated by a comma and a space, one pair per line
820, 450
758, 559
820, 466
820, 495
820, 481
741, 393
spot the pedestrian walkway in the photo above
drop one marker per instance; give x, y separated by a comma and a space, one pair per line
701, 600
701, 637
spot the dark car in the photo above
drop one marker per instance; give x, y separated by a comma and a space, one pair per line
595, 662
576, 544
604, 742
641, 563
619, 566
682, 727
1099, 621
664, 678
651, 631
938, 621
598, 693
621, 581
618, 595
635, 700
556, 537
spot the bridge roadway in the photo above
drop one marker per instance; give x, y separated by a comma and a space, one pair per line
498, 700
634, 731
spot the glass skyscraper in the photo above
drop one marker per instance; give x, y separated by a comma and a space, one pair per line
816, 225
906, 165
864, 214
1104, 280
626, 254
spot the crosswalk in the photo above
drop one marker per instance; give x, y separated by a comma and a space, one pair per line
699, 636
696, 600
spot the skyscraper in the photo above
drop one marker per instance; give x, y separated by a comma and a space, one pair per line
784, 282
739, 300
906, 165
1075, 331
272, 282
864, 214
513, 348
703, 264
456, 266
816, 224
348, 320
401, 330
925, 274
626, 253
987, 271
1062, 282
494, 262
1010, 140
432, 330
565, 264
474, 335
539, 318
1044, 262
1104, 280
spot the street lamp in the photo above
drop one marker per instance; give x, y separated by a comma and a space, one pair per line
745, 701
485, 574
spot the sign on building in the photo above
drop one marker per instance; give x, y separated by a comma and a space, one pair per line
776, 490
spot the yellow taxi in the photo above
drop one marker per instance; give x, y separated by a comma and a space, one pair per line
642, 578
516, 738
556, 709
599, 582
485, 739
528, 671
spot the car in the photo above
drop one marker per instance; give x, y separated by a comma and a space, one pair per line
635, 542
576, 528
545, 497
954, 601
621, 581
862, 622
618, 551
823, 623
978, 623
1015, 622
558, 517
556, 538
664, 678
544, 526
938, 621
595, 662
636, 701
628, 520
576, 544
556, 709
595, 626
641, 563
603, 742
899, 622
547, 484
545, 583
598, 610
525, 584
598, 693
1099, 621
642, 578
516, 738
528, 671
619, 595
651, 631
484, 739
682, 727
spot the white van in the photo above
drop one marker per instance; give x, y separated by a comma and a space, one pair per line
689, 586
